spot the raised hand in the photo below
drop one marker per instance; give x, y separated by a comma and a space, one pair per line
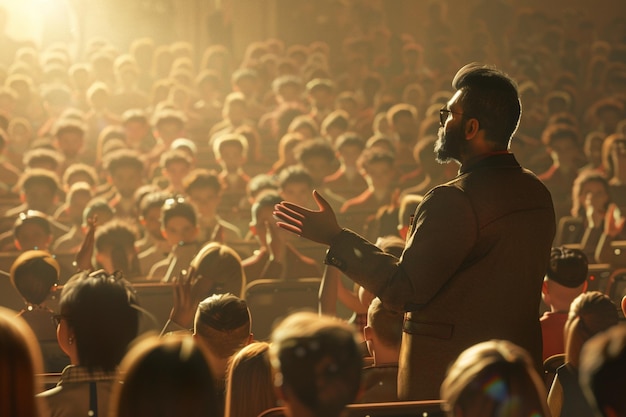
184, 308
85, 253
319, 226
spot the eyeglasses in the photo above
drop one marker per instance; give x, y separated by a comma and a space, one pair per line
444, 114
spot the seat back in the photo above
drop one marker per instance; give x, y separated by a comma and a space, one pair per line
270, 300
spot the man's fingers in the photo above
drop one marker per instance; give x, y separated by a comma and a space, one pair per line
292, 208
321, 202
289, 228
279, 215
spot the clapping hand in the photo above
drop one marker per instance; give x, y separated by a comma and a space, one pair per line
85, 253
319, 226
184, 308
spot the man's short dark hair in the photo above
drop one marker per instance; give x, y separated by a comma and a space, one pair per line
202, 178
314, 148
350, 139
101, 310
33, 274
267, 199
177, 207
491, 97
223, 322
294, 174
567, 267
123, 158
319, 360
40, 176
31, 217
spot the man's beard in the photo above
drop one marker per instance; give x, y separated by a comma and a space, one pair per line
449, 145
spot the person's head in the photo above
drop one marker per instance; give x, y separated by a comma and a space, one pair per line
97, 208
33, 274
262, 216
231, 151
296, 185
603, 371
494, 378
305, 125
317, 156
222, 324
115, 248
98, 319
69, 137
20, 361
334, 124
383, 333
321, 93
32, 230
168, 125
43, 158
79, 172
179, 375
589, 314
349, 147
259, 184
562, 142
566, 277
590, 188
39, 189
235, 108
593, 148
178, 221
402, 119
150, 213
216, 269
614, 155
204, 189
249, 389
125, 171
486, 100
378, 168
175, 165
317, 364
78, 196
136, 126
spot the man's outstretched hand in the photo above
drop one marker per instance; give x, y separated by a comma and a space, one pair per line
319, 226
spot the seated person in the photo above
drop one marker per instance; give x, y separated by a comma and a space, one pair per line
603, 372
231, 152
277, 258
347, 182
34, 274
115, 249
153, 247
98, 320
125, 172
383, 335
317, 365
180, 229
493, 379
32, 231
175, 166
78, 196
589, 314
566, 279
222, 325
73, 240
204, 190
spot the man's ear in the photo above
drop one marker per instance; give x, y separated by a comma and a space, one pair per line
17, 244
367, 333
471, 128
544, 287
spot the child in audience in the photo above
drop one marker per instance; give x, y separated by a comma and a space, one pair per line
34, 274
566, 279
115, 248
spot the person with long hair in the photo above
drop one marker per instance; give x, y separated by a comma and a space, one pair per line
20, 360
249, 387
167, 377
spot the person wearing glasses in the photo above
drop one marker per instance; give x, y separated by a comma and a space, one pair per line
478, 248
99, 318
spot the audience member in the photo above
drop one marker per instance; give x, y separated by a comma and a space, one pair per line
249, 385
383, 335
603, 371
317, 365
565, 280
98, 320
35, 274
494, 378
20, 361
589, 314
181, 380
